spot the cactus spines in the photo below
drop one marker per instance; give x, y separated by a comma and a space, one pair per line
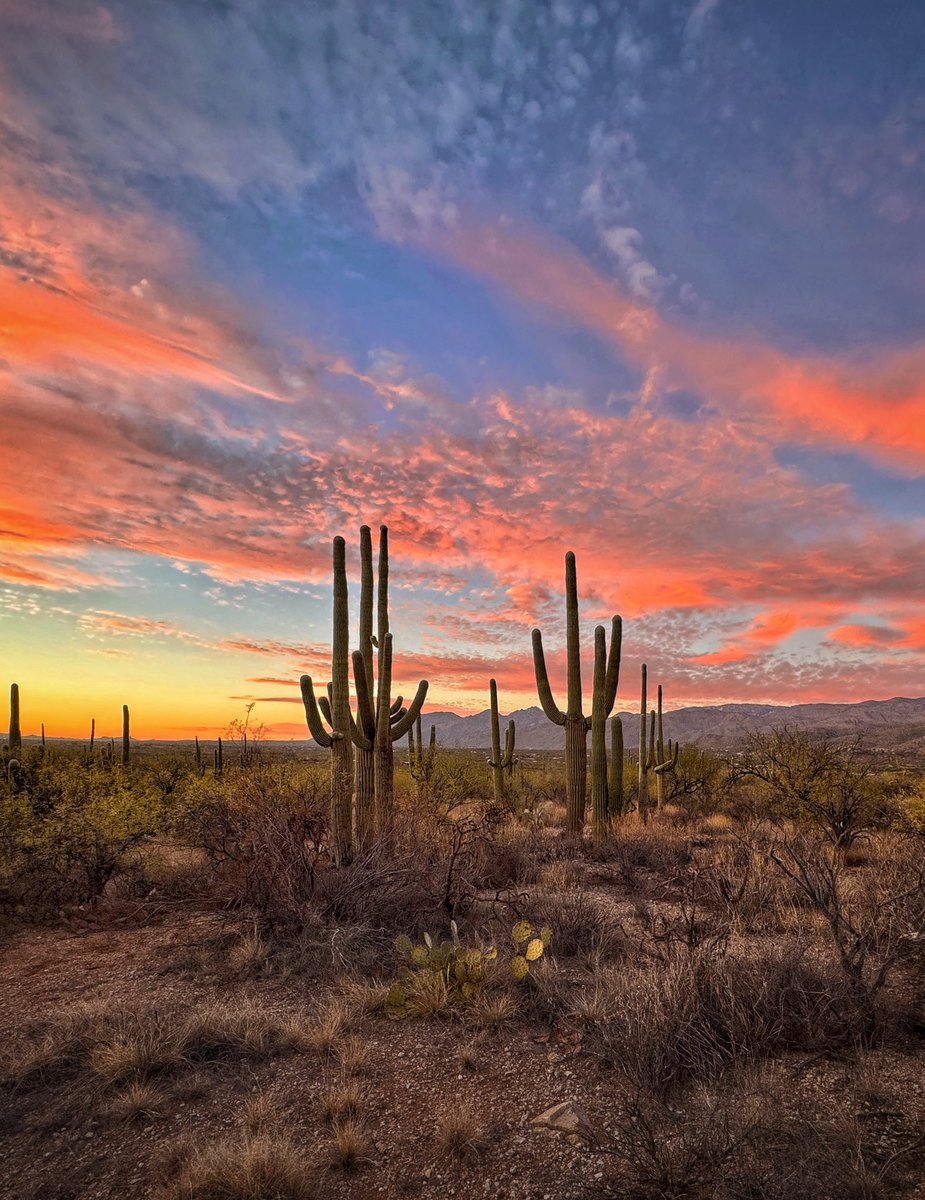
336, 708
615, 774
126, 740
15, 732
501, 764
607, 669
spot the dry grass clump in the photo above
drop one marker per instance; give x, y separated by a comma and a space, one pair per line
348, 1149
491, 1007
354, 1056
462, 1134
138, 1099
324, 1032
583, 926
339, 1103
252, 1167
111, 1046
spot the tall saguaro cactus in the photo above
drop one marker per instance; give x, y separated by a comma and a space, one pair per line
663, 763
126, 741
615, 771
606, 675
501, 764
380, 721
337, 739
15, 734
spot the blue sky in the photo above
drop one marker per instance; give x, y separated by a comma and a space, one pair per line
642, 280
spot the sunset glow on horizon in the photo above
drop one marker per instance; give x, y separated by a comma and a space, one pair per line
512, 278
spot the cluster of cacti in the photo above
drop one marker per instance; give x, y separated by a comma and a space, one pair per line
422, 762
653, 758
529, 947
502, 765
447, 973
379, 722
577, 725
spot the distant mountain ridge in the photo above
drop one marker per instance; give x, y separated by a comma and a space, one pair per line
897, 724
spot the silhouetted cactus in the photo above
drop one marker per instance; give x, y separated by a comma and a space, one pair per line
615, 791
218, 760
336, 739
126, 741
14, 741
381, 722
652, 751
421, 761
663, 764
501, 764
92, 733
606, 676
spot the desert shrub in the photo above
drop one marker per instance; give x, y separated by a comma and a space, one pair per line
696, 784
691, 1015
67, 827
262, 829
868, 912
586, 926
750, 1138
820, 784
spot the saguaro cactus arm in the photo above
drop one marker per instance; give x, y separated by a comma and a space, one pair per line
671, 761
313, 715
408, 716
550, 708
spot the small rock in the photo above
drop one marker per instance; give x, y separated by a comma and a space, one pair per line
569, 1118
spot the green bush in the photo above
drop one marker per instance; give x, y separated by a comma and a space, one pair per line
67, 826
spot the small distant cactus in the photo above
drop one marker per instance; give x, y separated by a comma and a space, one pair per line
15, 734
422, 762
501, 764
126, 740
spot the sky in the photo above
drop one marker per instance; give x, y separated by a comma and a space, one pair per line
644, 280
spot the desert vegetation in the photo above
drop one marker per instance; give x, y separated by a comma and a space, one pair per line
388, 969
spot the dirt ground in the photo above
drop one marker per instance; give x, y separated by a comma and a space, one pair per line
60, 1141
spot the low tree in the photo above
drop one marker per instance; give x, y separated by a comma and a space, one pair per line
826, 784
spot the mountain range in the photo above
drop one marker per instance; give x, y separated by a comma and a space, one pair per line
896, 725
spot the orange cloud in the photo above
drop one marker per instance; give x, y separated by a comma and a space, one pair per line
872, 402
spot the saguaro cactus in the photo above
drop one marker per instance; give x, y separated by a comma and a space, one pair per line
380, 722
501, 764
615, 772
126, 741
663, 764
652, 751
337, 739
15, 733
217, 759
606, 675
421, 761
92, 733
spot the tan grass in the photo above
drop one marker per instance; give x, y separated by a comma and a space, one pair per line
255, 1167
462, 1134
